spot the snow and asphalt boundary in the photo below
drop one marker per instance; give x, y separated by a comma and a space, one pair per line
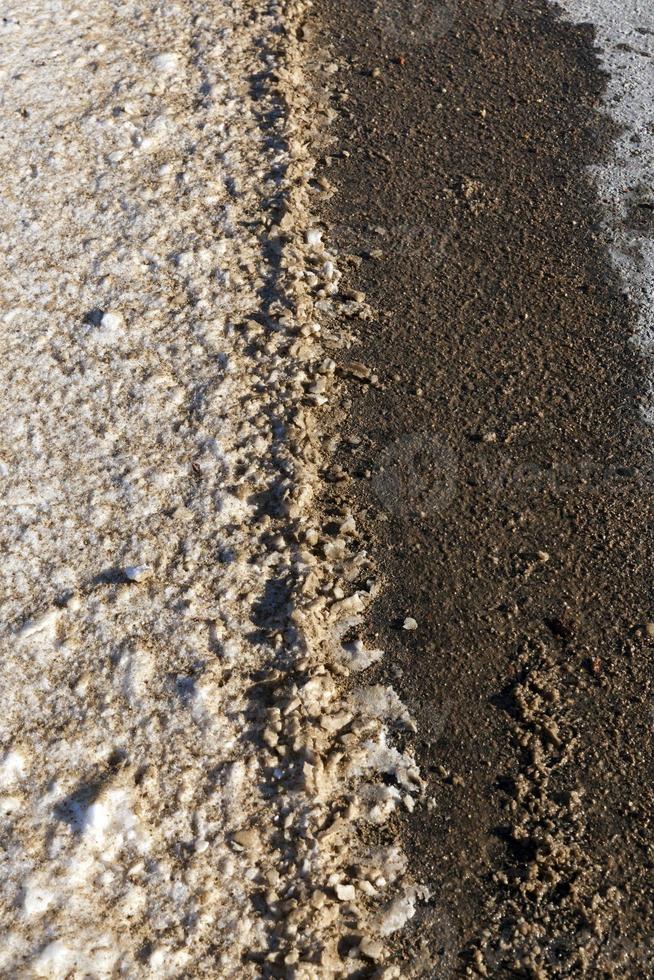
624, 34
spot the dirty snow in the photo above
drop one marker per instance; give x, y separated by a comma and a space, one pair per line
177, 735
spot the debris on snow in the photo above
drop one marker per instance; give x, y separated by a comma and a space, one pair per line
172, 756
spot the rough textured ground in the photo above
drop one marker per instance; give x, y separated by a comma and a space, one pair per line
194, 778
185, 766
502, 471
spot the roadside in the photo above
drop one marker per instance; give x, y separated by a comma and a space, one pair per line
502, 472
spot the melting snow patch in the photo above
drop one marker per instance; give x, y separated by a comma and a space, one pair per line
358, 658
168, 719
378, 701
625, 36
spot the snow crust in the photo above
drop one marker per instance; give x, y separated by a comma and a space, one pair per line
178, 735
126, 419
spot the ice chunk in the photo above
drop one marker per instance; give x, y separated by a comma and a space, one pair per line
313, 237
397, 913
45, 623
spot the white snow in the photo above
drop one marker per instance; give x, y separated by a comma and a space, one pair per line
42, 624
397, 914
12, 768
625, 39
118, 727
167, 63
111, 321
137, 573
37, 896
314, 238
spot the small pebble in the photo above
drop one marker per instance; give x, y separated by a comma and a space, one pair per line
246, 838
409, 623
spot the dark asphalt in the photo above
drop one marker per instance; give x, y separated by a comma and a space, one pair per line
503, 479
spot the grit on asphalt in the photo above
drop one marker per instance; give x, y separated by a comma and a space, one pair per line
494, 200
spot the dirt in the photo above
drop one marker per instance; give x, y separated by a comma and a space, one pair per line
502, 473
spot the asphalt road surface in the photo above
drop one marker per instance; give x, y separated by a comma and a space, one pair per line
496, 213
